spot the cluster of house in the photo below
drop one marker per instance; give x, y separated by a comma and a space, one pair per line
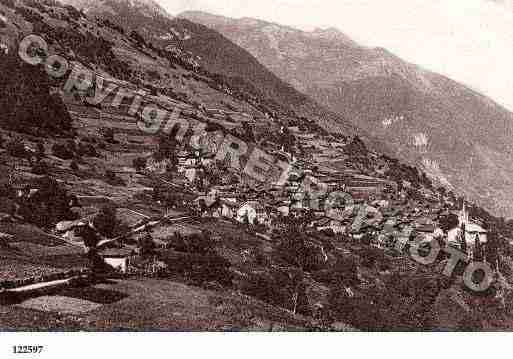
383, 209
385, 203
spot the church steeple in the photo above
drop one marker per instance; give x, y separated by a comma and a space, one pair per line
463, 216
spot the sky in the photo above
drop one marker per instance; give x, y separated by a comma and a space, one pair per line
469, 41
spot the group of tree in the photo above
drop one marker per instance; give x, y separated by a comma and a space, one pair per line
48, 204
28, 105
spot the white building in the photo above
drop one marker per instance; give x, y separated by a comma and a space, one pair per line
4, 49
254, 211
117, 258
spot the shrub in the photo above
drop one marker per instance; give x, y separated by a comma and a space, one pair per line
16, 148
36, 5
153, 75
196, 258
105, 221
139, 163
9, 3
273, 288
63, 151
112, 179
40, 168
88, 139
154, 91
73, 12
113, 26
74, 166
295, 251
371, 257
49, 205
87, 149
449, 222
108, 135
146, 245
166, 148
40, 150
196, 243
134, 35
199, 269
29, 15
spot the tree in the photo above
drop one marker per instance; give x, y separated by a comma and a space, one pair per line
105, 221
366, 239
478, 249
299, 296
287, 139
16, 148
139, 163
356, 147
137, 38
64, 151
146, 245
248, 135
74, 165
108, 135
40, 168
48, 205
448, 222
344, 273
112, 179
492, 248
167, 147
40, 151
463, 239
25, 99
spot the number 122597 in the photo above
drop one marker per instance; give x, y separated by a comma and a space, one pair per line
27, 349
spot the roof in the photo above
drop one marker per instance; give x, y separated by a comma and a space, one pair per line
67, 225
209, 200
474, 228
254, 204
116, 252
427, 228
229, 203
453, 236
323, 222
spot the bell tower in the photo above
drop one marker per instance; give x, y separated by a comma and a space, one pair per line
463, 215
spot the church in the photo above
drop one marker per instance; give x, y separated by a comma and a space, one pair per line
472, 231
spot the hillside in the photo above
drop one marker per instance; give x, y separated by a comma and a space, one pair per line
216, 54
105, 225
459, 137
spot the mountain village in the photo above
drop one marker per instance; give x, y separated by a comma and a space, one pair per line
94, 209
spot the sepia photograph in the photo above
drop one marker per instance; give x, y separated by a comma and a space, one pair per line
272, 166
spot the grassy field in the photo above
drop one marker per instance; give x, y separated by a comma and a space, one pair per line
148, 305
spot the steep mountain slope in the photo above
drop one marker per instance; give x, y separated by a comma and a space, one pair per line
80, 161
457, 135
215, 53
136, 9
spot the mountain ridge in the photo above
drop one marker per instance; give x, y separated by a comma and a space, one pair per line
392, 100
219, 55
